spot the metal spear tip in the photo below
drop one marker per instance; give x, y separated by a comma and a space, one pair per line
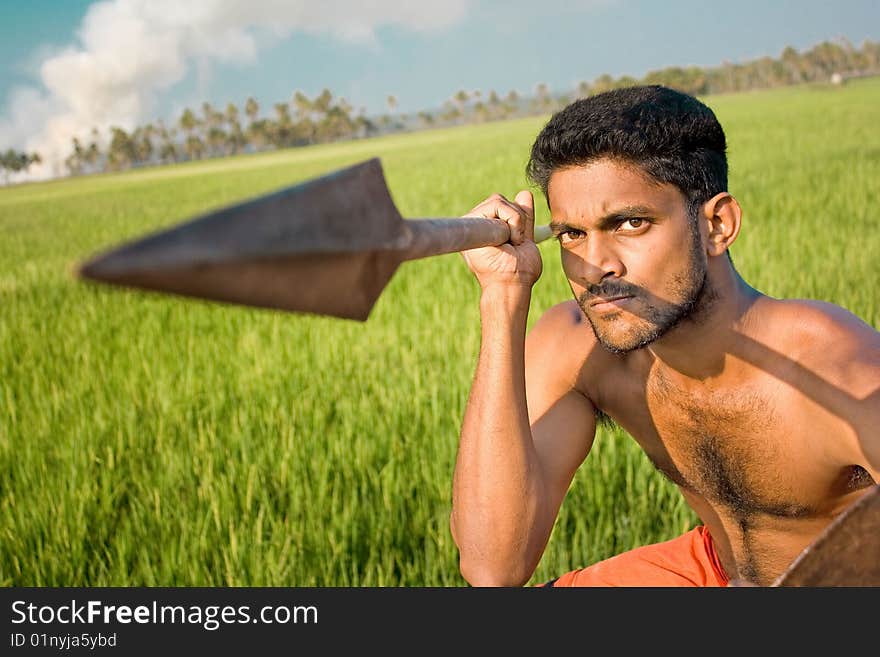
321, 246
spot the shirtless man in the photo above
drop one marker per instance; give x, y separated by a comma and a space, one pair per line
763, 411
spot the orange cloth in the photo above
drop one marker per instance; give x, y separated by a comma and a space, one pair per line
689, 560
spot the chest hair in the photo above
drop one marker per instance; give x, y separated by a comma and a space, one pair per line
726, 447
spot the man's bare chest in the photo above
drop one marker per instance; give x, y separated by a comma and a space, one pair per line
750, 451
731, 449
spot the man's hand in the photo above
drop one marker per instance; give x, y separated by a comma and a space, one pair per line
516, 263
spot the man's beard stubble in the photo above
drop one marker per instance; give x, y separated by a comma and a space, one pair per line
660, 315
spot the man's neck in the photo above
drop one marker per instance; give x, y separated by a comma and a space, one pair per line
698, 347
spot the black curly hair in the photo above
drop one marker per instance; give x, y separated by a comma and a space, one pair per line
669, 135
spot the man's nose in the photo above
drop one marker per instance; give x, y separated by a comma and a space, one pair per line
595, 261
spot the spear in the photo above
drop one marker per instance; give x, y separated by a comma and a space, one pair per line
326, 246
846, 553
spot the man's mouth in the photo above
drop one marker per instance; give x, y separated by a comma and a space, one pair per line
600, 304
598, 301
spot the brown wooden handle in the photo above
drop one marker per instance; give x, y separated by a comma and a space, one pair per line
431, 237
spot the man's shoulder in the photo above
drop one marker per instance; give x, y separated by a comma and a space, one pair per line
562, 316
825, 338
563, 323
823, 324
562, 341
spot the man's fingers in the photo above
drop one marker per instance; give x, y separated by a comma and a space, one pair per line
488, 208
520, 219
515, 218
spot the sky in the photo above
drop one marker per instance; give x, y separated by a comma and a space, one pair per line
69, 65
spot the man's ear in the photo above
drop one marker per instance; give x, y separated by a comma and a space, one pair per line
723, 217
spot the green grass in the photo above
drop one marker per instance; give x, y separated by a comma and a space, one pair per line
147, 440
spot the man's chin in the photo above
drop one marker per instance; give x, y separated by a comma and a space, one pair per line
615, 338
617, 346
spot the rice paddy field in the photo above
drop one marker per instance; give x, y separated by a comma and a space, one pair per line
148, 440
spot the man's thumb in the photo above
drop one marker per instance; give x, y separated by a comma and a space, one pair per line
525, 199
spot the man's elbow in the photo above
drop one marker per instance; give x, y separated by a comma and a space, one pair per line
478, 573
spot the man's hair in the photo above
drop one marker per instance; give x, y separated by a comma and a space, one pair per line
671, 136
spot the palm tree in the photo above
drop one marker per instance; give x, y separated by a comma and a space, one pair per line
8, 162
283, 131
481, 112
122, 151
167, 145
217, 141
461, 98
74, 161
304, 110
213, 121
323, 101
235, 139
143, 143
252, 109
301, 105
194, 147
189, 123
494, 104
208, 113
259, 133
542, 100
168, 151
231, 113
511, 102
93, 152
791, 61
451, 113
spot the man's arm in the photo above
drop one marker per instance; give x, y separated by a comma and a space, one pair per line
841, 364
852, 365
511, 475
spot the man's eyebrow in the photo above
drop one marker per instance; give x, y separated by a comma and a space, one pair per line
609, 220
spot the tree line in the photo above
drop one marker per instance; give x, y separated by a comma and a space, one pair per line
301, 121
13, 161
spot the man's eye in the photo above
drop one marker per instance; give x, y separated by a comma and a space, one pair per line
632, 224
569, 235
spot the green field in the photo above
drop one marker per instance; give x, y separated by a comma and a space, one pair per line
150, 440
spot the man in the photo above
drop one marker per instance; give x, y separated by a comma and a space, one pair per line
763, 411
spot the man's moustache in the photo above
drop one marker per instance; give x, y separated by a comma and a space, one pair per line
607, 290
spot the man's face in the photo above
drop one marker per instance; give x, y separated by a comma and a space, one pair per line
634, 259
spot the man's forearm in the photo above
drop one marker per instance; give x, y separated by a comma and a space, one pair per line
497, 487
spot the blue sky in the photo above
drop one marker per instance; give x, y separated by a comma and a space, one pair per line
422, 58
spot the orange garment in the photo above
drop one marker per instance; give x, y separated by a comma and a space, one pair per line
689, 560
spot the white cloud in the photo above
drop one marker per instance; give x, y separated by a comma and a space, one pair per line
129, 51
